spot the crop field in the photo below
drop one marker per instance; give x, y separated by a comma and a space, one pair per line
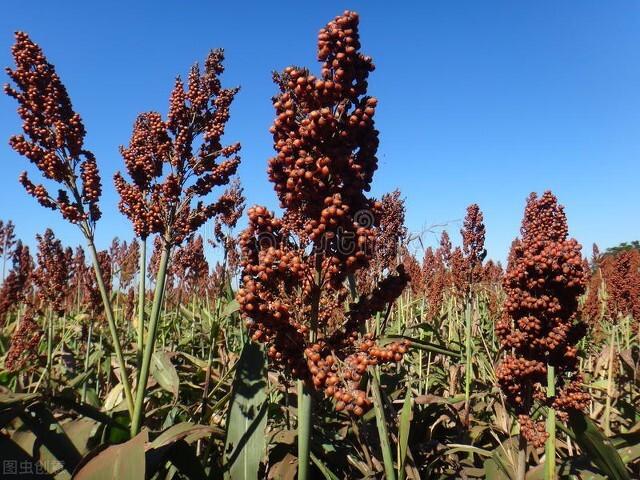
322, 340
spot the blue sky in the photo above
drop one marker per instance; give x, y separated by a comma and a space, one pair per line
478, 101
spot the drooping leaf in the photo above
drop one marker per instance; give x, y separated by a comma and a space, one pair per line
165, 373
12, 452
597, 447
126, 460
403, 433
245, 440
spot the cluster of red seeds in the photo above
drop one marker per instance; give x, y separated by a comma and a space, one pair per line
341, 378
92, 296
544, 279
326, 142
17, 284
621, 273
125, 258
190, 266
53, 136
294, 269
24, 344
390, 234
473, 234
189, 143
7, 240
52, 271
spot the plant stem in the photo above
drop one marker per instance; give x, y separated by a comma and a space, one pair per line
381, 421
550, 447
304, 429
108, 312
305, 402
141, 298
467, 367
521, 470
86, 359
49, 348
607, 407
156, 309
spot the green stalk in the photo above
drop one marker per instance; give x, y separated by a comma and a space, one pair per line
550, 446
304, 429
521, 471
607, 407
136, 421
108, 312
49, 347
305, 402
86, 359
467, 367
141, 298
381, 421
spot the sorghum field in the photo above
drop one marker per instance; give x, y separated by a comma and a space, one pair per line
326, 343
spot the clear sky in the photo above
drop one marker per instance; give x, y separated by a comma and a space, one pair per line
479, 101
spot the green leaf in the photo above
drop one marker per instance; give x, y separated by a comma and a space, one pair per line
381, 421
597, 447
403, 434
165, 373
184, 430
122, 461
328, 474
10, 398
230, 308
246, 441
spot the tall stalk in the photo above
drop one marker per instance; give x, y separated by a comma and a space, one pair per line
521, 467
611, 360
141, 298
467, 367
304, 429
108, 311
156, 309
550, 446
381, 421
305, 401
86, 359
49, 347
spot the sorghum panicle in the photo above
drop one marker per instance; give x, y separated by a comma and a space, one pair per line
174, 163
621, 273
7, 240
391, 234
52, 272
16, 287
53, 136
23, 349
294, 268
539, 328
92, 297
473, 235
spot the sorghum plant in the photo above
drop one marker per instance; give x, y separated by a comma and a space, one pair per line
391, 235
52, 272
539, 330
621, 273
16, 286
7, 242
24, 344
294, 268
473, 234
174, 164
191, 267
53, 140
435, 281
